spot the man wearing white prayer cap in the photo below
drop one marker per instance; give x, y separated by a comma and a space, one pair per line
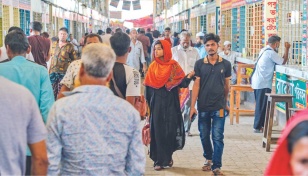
227, 43
199, 45
230, 56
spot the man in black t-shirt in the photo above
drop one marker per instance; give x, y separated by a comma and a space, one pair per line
211, 89
126, 78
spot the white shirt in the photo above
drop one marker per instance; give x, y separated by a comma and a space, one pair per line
135, 55
106, 39
3, 55
133, 81
186, 59
263, 75
231, 57
75, 44
101, 36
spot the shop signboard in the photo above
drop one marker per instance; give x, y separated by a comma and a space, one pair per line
282, 87
226, 4
252, 1
7, 2
203, 10
299, 92
270, 13
238, 3
291, 85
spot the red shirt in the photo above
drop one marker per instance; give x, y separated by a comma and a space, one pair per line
145, 43
40, 47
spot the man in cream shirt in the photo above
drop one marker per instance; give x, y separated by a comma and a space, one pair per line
186, 56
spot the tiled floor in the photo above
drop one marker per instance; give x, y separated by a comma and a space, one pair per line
243, 153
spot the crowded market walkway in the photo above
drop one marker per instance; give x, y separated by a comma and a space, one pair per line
243, 153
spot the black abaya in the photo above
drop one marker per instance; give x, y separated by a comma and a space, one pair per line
166, 123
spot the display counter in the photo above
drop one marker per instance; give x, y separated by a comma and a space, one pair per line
244, 60
292, 80
289, 79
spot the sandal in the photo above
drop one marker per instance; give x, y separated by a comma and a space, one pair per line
207, 165
158, 168
171, 163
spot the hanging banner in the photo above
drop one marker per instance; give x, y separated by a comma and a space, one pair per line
114, 3
270, 18
126, 5
136, 5
116, 14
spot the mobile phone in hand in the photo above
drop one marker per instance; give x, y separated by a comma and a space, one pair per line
193, 117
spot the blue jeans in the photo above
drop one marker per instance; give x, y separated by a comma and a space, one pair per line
210, 120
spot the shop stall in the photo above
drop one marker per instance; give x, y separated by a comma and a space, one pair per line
290, 18
24, 15
292, 78
238, 25
255, 29
226, 16
194, 23
203, 22
36, 11
67, 22
46, 22
211, 17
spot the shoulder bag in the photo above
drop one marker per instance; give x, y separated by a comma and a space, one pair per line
254, 69
140, 102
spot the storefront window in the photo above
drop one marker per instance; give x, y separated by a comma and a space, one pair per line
37, 16
211, 23
255, 30
242, 25
290, 28
202, 24
16, 17
225, 33
238, 28
193, 26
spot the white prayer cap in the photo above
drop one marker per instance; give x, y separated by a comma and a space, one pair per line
200, 34
227, 43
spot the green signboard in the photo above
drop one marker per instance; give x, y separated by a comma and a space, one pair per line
294, 86
282, 87
299, 92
